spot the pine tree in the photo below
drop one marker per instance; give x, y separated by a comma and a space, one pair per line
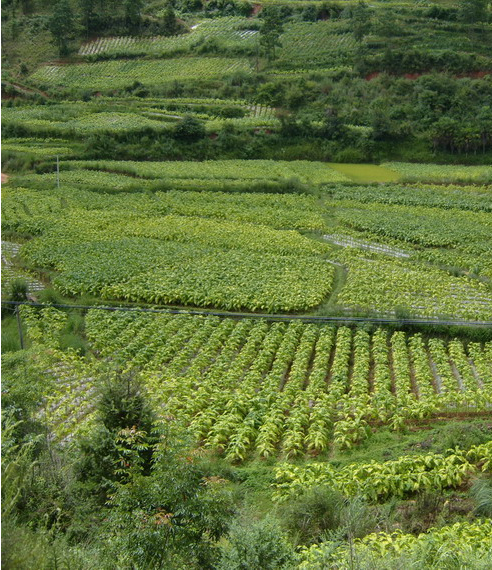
270, 32
61, 26
169, 26
88, 15
133, 15
473, 11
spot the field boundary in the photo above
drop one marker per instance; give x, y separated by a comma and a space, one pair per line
265, 316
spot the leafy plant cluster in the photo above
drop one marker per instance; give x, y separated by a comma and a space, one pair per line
377, 481
467, 542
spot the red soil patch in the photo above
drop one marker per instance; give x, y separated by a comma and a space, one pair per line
256, 9
476, 74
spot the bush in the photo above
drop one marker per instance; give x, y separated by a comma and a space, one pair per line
314, 513
73, 342
50, 297
189, 129
10, 335
455, 436
257, 546
481, 493
171, 518
18, 290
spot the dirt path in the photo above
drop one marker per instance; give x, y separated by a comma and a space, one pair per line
30, 89
5, 178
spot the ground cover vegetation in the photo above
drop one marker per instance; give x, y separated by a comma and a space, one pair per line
314, 159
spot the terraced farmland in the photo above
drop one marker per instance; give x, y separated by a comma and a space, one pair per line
121, 73
231, 31
286, 388
257, 241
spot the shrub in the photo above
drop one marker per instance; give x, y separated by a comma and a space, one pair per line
257, 546
481, 493
18, 290
124, 438
189, 129
314, 513
50, 297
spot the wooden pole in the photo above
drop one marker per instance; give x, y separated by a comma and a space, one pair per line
19, 325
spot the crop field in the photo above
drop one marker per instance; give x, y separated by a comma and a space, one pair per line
24, 208
463, 540
116, 74
395, 285
395, 478
250, 387
446, 174
306, 171
126, 114
316, 45
231, 32
183, 259
10, 272
247, 285
366, 173
43, 148
346, 249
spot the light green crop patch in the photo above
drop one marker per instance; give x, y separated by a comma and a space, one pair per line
366, 173
120, 73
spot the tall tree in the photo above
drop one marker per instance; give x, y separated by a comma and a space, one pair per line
270, 31
473, 11
133, 15
360, 21
88, 15
169, 24
61, 26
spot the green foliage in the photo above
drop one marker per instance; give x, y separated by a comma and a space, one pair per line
23, 548
169, 22
271, 30
189, 129
481, 493
10, 334
258, 545
454, 436
175, 513
18, 290
50, 296
147, 72
283, 404
360, 20
17, 464
61, 26
473, 11
133, 15
313, 514
23, 388
122, 443
376, 481
442, 173
444, 547
88, 15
